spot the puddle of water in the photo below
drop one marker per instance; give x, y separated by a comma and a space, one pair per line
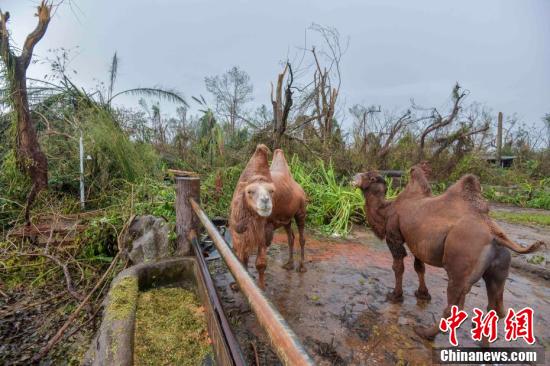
338, 308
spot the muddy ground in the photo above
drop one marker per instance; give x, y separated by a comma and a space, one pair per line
338, 307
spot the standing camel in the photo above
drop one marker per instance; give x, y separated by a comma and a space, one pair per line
251, 207
289, 201
452, 230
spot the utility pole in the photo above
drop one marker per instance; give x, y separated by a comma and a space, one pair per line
499, 140
82, 196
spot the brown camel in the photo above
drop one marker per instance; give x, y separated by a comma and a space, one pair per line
251, 207
289, 201
452, 230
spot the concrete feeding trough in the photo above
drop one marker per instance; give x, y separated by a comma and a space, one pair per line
114, 343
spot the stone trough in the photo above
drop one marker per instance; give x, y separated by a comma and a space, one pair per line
114, 342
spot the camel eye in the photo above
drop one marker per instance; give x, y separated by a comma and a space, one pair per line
250, 191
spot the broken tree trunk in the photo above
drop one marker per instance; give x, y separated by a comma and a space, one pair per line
281, 109
30, 158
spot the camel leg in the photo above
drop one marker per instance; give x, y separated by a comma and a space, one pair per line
301, 223
398, 252
290, 237
422, 293
495, 279
261, 264
456, 295
243, 258
269, 229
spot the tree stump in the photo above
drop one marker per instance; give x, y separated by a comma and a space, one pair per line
186, 220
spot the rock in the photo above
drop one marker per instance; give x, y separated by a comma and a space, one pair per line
147, 239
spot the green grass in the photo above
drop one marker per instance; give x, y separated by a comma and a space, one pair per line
332, 202
526, 194
522, 217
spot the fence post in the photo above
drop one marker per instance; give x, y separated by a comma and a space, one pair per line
186, 220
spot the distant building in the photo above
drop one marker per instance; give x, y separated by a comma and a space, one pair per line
506, 161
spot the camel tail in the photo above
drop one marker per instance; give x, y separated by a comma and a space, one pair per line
501, 239
504, 241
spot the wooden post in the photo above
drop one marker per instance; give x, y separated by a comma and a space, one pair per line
499, 140
186, 220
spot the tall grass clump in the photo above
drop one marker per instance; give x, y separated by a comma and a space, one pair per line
113, 154
332, 203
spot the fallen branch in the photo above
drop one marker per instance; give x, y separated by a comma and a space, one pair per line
68, 279
57, 337
15, 307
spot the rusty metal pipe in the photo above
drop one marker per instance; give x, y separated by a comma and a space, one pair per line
284, 341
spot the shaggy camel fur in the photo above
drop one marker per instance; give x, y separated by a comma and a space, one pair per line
250, 208
452, 230
289, 201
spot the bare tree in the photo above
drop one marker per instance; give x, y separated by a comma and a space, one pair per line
361, 124
437, 121
316, 86
463, 128
378, 134
327, 79
31, 160
232, 91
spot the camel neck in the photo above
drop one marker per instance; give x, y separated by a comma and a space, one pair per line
376, 211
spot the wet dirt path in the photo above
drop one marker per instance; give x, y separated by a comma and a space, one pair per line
338, 308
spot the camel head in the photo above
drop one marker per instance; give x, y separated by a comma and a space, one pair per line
370, 181
258, 195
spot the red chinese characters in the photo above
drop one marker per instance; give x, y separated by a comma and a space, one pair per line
520, 325
452, 323
485, 325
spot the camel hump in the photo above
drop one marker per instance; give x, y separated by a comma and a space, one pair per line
261, 148
470, 184
469, 189
419, 176
279, 162
257, 165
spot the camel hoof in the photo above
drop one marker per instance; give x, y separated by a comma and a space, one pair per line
301, 268
422, 295
394, 298
288, 266
425, 332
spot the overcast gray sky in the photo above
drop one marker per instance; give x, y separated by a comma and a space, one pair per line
498, 49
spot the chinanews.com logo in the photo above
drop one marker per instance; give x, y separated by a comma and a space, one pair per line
518, 327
